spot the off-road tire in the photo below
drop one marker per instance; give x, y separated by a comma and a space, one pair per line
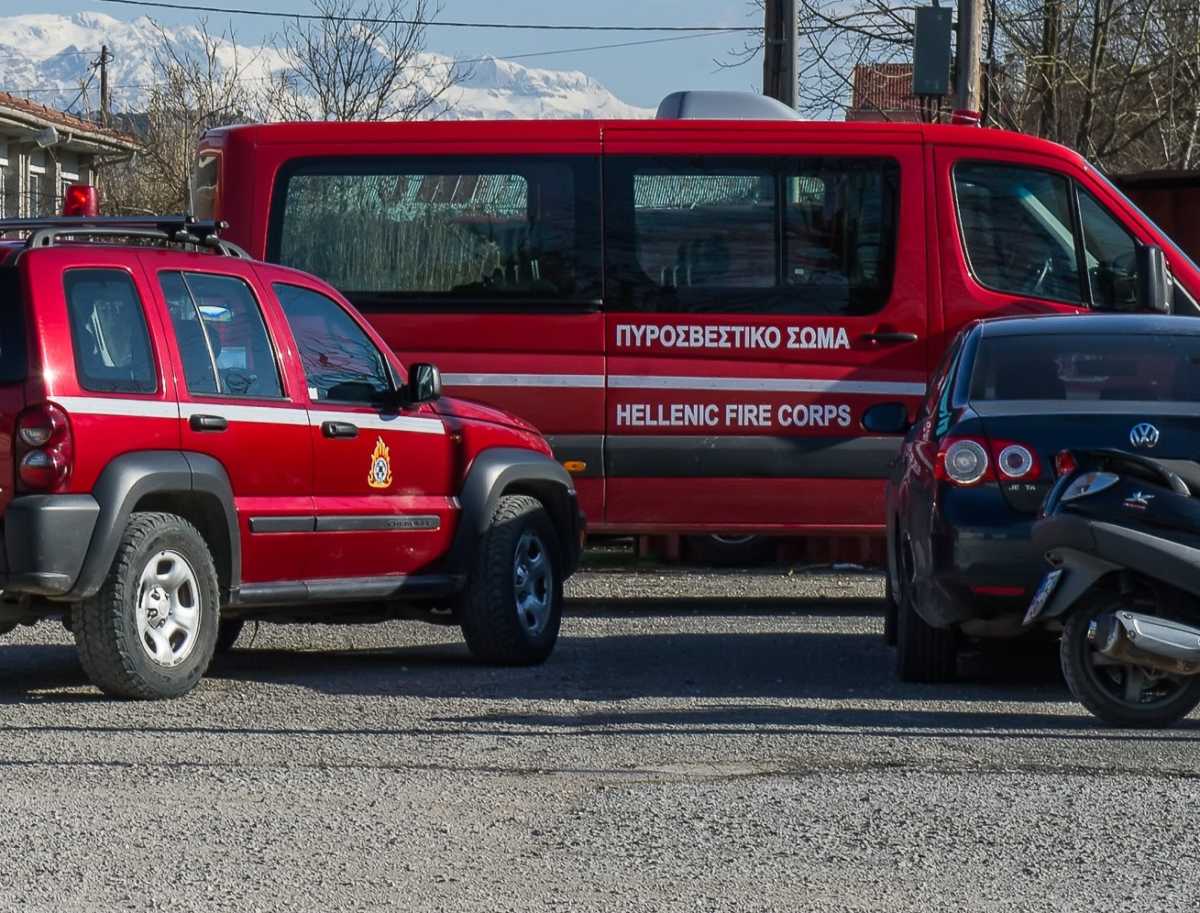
1075, 658
488, 608
227, 634
105, 628
923, 653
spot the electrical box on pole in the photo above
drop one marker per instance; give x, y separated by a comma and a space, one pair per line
779, 56
931, 52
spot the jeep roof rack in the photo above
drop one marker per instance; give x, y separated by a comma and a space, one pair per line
182, 230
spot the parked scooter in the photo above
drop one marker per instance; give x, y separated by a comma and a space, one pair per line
1122, 535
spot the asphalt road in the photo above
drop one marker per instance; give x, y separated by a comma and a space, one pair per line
699, 743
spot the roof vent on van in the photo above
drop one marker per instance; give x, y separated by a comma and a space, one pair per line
708, 105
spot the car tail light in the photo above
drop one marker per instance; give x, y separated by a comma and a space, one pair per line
44, 448
81, 200
963, 461
1016, 462
1065, 463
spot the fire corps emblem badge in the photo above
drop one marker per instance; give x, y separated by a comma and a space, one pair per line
380, 475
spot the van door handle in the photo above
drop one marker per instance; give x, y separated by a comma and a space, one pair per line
890, 338
208, 422
339, 429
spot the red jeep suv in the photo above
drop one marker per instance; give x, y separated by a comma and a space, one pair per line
190, 439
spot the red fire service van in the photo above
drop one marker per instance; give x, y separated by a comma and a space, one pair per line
695, 312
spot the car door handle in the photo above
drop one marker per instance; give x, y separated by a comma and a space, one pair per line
890, 338
339, 429
208, 422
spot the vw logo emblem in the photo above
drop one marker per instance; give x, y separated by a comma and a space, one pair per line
1143, 435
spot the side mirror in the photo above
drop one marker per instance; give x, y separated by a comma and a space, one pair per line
1152, 281
424, 383
886, 418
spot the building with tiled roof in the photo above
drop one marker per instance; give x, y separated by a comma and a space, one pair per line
43, 150
883, 91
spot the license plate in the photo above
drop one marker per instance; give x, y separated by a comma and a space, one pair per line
1044, 591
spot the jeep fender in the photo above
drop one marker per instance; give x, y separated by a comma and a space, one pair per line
506, 470
132, 477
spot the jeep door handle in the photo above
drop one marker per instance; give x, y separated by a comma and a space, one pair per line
890, 338
208, 423
339, 429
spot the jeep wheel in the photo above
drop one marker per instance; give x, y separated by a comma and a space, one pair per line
227, 634
151, 629
512, 607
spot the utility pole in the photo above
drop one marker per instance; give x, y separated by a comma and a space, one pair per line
779, 51
969, 99
104, 84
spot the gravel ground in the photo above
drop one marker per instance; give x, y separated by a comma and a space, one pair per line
698, 742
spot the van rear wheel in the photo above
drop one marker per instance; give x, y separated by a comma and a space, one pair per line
151, 629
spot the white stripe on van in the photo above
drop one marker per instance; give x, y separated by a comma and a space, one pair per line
381, 422
104, 405
767, 385
574, 381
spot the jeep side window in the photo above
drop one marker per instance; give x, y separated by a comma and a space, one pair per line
222, 339
108, 332
341, 363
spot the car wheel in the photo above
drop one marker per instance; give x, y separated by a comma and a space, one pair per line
512, 607
923, 653
1121, 694
730, 549
890, 611
227, 634
151, 629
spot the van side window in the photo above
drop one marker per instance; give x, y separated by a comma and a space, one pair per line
447, 229
1111, 257
341, 364
108, 332
1018, 231
775, 236
222, 339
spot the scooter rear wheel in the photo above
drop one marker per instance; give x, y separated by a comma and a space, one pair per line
1118, 693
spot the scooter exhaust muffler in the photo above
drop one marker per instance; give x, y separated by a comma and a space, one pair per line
1144, 640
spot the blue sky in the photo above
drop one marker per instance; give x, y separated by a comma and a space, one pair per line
639, 75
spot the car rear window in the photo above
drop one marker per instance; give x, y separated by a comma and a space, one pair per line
13, 350
1096, 366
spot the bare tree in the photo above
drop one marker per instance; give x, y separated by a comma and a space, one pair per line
360, 63
194, 90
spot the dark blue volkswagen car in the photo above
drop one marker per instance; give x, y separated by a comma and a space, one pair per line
1010, 395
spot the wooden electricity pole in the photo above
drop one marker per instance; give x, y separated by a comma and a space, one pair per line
779, 55
968, 97
104, 84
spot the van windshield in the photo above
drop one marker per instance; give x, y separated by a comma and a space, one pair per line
1099, 367
1175, 248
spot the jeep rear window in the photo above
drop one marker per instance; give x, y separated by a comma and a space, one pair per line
108, 329
14, 357
1102, 367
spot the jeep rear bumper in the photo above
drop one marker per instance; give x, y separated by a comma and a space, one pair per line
46, 539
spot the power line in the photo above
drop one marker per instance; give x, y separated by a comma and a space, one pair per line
434, 23
45, 90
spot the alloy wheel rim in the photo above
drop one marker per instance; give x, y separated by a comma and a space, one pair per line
168, 608
533, 583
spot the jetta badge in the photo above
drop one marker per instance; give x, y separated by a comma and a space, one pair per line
1143, 435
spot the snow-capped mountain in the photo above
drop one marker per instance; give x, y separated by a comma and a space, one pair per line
47, 58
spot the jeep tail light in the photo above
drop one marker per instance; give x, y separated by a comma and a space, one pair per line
81, 200
963, 461
44, 448
1016, 462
